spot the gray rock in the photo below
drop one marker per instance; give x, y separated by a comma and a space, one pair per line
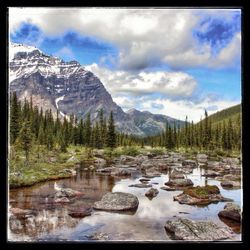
231, 161
117, 201
151, 193
179, 183
190, 163
231, 211
144, 179
211, 173
201, 158
141, 185
73, 159
176, 174
167, 188
123, 171
231, 177
230, 184
185, 229
100, 163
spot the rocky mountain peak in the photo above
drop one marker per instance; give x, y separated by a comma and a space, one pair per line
69, 88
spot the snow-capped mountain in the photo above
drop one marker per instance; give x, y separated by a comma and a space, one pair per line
67, 87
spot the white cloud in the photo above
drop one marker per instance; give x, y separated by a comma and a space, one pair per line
171, 84
144, 37
182, 108
65, 52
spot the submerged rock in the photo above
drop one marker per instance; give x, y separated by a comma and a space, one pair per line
117, 201
179, 183
230, 184
200, 195
22, 213
185, 229
231, 211
79, 212
151, 193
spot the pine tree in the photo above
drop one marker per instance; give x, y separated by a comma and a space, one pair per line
25, 138
111, 135
87, 134
15, 118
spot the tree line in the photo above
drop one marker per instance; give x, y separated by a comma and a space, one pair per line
205, 135
29, 126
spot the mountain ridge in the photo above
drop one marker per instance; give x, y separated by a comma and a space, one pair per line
71, 89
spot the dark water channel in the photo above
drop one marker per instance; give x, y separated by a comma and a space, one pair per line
52, 222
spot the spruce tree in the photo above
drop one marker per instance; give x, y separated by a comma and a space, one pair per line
111, 135
25, 138
15, 118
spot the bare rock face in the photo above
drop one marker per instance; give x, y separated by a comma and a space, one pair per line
231, 211
151, 193
185, 229
200, 195
68, 87
117, 201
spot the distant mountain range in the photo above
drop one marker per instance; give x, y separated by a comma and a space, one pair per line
66, 86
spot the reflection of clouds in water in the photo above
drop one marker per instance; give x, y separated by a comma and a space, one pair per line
147, 223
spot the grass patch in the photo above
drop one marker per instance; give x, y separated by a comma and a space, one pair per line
202, 192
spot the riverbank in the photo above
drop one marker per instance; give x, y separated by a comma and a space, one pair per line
53, 165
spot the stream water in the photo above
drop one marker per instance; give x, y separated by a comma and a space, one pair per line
52, 222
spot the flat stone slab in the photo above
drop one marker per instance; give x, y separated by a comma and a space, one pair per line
117, 201
141, 185
185, 229
166, 188
231, 211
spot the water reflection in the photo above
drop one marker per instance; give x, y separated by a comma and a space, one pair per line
147, 223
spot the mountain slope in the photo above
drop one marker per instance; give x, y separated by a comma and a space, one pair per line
150, 123
69, 88
232, 113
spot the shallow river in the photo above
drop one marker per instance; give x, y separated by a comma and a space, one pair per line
52, 223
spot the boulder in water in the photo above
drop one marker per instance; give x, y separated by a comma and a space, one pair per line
117, 201
151, 193
185, 229
231, 211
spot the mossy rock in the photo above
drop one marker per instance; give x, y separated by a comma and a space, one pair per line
202, 192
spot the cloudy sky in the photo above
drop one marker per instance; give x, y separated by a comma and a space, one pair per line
175, 62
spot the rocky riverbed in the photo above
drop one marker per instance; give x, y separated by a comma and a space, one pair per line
144, 198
